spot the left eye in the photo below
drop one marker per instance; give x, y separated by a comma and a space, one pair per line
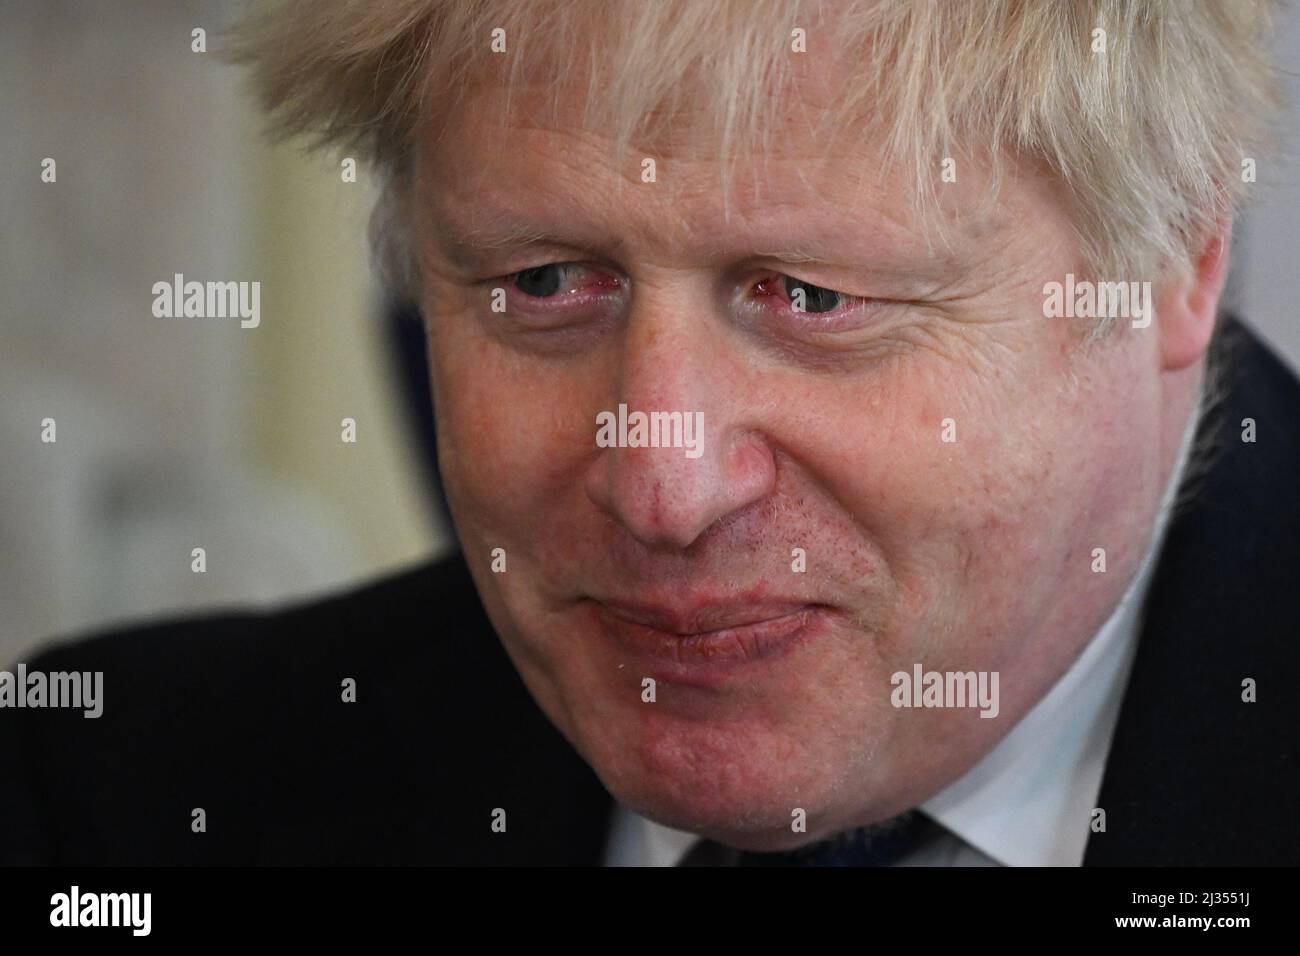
803, 296
813, 297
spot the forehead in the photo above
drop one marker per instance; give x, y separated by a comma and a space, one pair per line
523, 159
522, 125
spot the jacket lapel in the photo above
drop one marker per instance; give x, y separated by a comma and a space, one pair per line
1196, 775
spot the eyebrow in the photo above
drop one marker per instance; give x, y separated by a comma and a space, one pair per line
501, 238
466, 245
469, 248
793, 256
466, 242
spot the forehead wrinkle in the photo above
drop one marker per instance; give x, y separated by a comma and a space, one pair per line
559, 175
571, 193
687, 191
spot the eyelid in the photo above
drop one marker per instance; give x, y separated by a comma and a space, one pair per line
829, 285
528, 266
780, 279
521, 260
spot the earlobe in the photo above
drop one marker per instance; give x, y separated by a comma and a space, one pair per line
1187, 313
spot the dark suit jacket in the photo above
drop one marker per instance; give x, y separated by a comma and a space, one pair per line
241, 714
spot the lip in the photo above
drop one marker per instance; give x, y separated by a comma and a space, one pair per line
705, 639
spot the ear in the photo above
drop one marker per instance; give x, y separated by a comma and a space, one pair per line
1186, 313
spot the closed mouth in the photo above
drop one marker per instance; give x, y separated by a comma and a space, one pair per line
739, 633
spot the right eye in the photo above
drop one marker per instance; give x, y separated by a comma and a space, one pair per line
561, 278
541, 282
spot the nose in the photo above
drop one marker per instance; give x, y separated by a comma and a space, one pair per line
675, 368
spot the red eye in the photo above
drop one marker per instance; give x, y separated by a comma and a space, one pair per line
803, 296
561, 278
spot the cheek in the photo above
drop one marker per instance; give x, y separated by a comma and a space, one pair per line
983, 486
503, 457
1059, 468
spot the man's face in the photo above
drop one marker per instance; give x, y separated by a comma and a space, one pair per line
823, 436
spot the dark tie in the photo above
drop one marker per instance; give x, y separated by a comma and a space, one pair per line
880, 844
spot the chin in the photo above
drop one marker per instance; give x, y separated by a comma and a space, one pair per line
730, 781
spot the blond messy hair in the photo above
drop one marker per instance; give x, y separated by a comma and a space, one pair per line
1147, 138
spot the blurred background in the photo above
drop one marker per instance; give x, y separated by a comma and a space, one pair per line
173, 434
176, 434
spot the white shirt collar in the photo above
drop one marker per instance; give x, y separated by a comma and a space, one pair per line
1028, 802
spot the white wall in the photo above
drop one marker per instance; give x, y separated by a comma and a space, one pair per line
1266, 283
